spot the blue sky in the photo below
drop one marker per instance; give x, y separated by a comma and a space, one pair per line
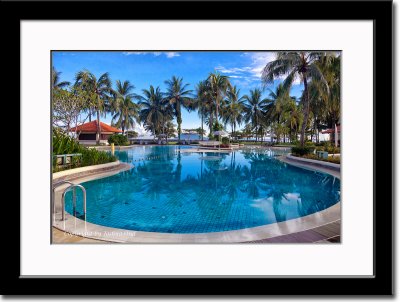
143, 69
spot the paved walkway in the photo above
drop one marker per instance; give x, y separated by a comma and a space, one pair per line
63, 237
328, 233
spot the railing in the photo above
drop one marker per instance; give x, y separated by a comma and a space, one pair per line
72, 187
66, 159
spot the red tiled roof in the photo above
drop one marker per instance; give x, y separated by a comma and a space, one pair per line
92, 127
331, 130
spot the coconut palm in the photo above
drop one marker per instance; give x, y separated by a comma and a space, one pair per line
126, 112
275, 107
293, 117
100, 90
233, 108
254, 109
219, 85
178, 96
325, 107
296, 65
202, 102
153, 110
56, 84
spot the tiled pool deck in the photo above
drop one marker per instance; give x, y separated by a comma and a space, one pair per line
321, 227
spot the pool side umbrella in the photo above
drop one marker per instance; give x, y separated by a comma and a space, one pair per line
221, 133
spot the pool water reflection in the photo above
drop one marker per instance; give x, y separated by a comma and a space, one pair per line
182, 192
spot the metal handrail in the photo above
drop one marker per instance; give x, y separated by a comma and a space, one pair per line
63, 182
71, 186
74, 200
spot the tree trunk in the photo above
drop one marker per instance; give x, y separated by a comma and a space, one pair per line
98, 128
306, 111
216, 106
211, 122
179, 120
202, 130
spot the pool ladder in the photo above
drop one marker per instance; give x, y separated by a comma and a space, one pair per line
72, 187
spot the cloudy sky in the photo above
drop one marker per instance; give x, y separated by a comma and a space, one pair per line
143, 69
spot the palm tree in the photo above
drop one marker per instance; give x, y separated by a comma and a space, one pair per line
219, 85
254, 109
202, 101
153, 109
325, 105
233, 108
178, 97
126, 112
276, 104
100, 89
56, 84
293, 117
295, 65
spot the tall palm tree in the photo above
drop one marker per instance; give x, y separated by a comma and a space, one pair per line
254, 109
100, 89
219, 85
178, 97
126, 112
233, 108
153, 109
293, 117
56, 84
295, 65
201, 102
276, 104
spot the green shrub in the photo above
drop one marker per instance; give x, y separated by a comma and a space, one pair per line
298, 150
330, 159
64, 144
118, 139
225, 140
332, 149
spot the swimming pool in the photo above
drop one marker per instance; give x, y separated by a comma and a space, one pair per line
172, 190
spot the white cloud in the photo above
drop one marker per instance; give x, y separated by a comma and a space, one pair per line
253, 72
259, 60
172, 54
232, 70
128, 53
169, 55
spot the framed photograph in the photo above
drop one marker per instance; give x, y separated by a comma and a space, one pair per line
161, 148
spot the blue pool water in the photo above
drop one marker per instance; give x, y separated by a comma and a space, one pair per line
172, 192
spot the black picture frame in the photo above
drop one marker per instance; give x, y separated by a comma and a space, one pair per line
379, 11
